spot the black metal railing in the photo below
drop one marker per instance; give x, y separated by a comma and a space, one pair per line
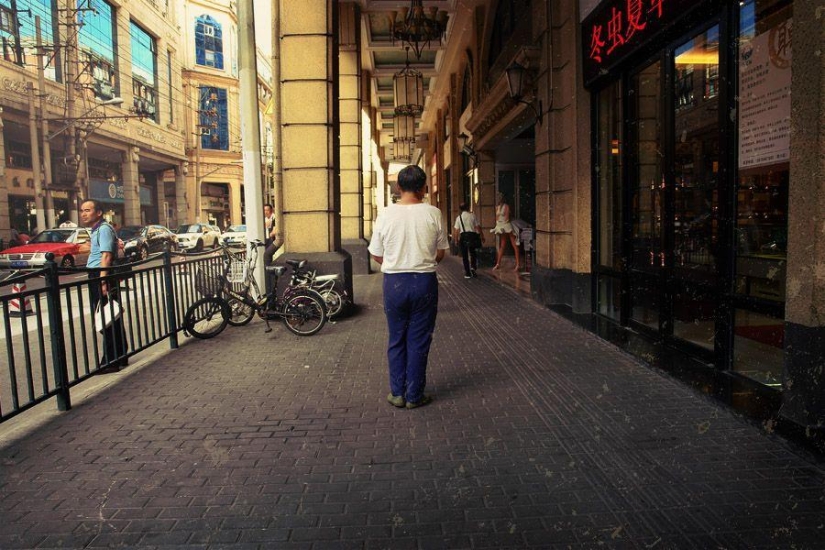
51, 342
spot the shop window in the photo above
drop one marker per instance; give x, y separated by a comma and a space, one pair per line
696, 161
609, 174
764, 81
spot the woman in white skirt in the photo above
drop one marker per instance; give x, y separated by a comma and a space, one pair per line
504, 229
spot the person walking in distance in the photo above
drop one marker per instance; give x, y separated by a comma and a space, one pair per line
504, 230
467, 232
269, 242
409, 240
102, 249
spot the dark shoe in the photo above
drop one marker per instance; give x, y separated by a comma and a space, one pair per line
473, 274
396, 400
426, 400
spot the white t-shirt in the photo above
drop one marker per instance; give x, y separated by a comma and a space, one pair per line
408, 236
469, 220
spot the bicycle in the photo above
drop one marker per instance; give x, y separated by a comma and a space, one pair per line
234, 298
325, 285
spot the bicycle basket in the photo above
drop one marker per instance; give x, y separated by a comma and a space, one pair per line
236, 271
206, 284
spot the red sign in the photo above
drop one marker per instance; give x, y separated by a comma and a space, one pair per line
617, 27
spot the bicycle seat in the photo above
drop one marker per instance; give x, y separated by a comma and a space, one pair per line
256, 242
296, 264
276, 270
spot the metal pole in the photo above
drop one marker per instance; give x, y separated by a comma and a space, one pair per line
71, 132
47, 157
198, 169
250, 128
35, 145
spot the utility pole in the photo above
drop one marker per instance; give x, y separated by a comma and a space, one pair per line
47, 157
71, 131
35, 145
250, 128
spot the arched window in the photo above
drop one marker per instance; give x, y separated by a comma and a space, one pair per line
208, 42
466, 84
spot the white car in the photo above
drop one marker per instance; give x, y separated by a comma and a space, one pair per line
235, 235
198, 236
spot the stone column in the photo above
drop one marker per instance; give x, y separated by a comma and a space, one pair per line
160, 197
235, 190
5, 216
485, 208
310, 143
181, 212
131, 186
367, 170
561, 274
349, 104
803, 399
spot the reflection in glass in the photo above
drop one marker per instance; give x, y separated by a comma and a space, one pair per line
647, 176
696, 162
694, 316
609, 173
610, 297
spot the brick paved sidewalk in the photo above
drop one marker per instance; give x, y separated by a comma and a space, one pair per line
541, 436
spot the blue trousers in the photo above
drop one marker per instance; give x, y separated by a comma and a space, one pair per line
411, 305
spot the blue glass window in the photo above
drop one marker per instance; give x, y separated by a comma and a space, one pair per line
97, 45
144, 72
17, 33
208, 42
213, 119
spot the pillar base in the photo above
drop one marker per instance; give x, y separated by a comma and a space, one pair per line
803, 396
357, 249
562, 287
325, 263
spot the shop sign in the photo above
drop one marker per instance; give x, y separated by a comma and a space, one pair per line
616, 28
113, 192
214, 203
765, 97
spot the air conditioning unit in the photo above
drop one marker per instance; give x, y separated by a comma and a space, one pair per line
103, 89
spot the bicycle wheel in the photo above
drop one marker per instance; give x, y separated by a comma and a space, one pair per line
207, 317
239, 313
334, 302
304, 313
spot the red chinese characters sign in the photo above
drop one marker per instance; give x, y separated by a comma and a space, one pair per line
617, 27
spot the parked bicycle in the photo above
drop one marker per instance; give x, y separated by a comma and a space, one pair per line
336, 298
234, 298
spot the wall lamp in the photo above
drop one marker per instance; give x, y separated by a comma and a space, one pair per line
516, 75
466, 148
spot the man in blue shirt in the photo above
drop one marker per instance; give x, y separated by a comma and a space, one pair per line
102, 254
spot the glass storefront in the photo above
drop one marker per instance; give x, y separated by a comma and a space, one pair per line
691, 183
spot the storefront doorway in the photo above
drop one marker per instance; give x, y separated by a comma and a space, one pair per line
691, 211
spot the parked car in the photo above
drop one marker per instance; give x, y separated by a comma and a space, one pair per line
139, 242
197, 236
64, 243
235, 235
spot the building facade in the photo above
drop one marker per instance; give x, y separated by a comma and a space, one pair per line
90, 109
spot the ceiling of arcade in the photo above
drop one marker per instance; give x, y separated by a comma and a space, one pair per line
382, 59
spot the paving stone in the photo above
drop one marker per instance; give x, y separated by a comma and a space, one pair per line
541, 436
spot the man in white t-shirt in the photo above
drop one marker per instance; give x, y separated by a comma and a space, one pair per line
408, 240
